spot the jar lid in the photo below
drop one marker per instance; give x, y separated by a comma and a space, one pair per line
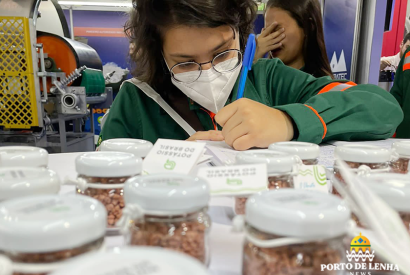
134, 260
50, 223
394, 189
402, 147
108, 164
362, 153
25, 181
298, 213
25, 156
169, 193
276, 162
304, 150
138, 147
6, 267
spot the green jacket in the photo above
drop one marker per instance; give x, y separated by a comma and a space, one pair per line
401, 91
362, 112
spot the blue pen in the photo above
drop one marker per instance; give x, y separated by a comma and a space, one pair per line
246, 64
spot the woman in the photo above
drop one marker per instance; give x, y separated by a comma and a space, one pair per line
188, 57
294, 34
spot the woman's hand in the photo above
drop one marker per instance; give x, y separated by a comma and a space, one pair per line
269, 40
247, 123
207, 135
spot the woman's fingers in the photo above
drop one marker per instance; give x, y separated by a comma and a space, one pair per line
267, 31
207, 135
278, 34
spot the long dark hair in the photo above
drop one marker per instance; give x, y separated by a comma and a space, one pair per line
150, 18
308, 16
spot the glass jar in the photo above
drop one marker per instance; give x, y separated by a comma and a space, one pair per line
23, 156
170, 211
280, 167
101, 175
307, 152
394, 189
138, 147
18, 182
377, 159
39, 232
135, 260
293, 231
401, 164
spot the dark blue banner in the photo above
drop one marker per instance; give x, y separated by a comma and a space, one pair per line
339, 27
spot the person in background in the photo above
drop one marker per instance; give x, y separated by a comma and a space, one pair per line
188, 58
401, 91
294, 33
390, 63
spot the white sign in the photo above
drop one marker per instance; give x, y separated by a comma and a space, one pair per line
338, 67
236, 180
311, 177
174, 156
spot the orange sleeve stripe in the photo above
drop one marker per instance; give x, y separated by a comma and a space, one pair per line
321, 120
406, 67
349, 83
331, 86
407, 55
328, 87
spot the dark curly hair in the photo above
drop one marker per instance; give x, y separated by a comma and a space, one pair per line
151, 18
309, 17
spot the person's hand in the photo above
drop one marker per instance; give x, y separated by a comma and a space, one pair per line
247, 123
270, 39
207, 135
383, 64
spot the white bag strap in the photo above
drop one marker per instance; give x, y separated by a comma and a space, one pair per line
150, 92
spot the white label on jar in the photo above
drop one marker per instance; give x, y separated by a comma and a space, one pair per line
312, 177
46, 210
236, 180
174, 156
132, 267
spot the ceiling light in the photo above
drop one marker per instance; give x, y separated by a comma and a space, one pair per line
104, 4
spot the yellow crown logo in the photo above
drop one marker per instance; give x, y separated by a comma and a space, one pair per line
360, 242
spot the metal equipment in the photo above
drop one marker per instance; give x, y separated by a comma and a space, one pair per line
47, 83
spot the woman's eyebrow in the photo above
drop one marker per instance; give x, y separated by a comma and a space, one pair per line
222, 44
181, 55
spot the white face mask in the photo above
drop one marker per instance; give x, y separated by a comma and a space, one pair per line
212, 89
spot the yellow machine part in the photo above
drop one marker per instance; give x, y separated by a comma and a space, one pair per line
18, 105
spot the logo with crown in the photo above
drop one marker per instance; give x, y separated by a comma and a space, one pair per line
360, 249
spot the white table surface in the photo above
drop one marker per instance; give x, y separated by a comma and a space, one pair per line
226, 246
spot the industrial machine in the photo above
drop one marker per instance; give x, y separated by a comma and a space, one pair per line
47, 83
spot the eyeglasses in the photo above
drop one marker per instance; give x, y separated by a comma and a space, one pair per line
188, 72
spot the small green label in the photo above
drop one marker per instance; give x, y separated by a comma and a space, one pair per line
319, 177
173, 183
169, 165
234, 182
310, 202
60, 209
